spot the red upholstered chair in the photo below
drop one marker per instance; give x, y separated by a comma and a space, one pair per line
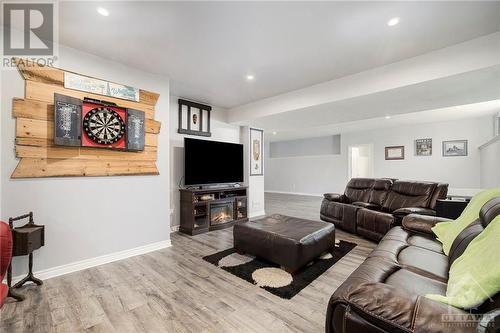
5, 258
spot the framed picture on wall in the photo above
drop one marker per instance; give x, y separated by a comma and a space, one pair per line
194, 118
395, 153
455, 148
423, 147
256, 152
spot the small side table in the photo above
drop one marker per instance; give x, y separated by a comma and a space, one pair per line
26, 239
451, 208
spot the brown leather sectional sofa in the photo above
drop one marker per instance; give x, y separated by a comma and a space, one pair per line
386, 293
371, 207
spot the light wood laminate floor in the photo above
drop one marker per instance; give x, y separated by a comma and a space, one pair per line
175, 290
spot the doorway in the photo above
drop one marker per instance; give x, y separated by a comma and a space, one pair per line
361, 161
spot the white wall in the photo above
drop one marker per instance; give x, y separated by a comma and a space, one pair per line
323, 145
256, 202
86, 217
320, 174
490, 164
221, 131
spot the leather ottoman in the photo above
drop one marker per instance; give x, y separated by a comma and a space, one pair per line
287, 241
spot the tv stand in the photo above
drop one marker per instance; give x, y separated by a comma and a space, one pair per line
208, 209
213, 187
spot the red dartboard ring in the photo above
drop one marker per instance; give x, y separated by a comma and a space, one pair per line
104, 126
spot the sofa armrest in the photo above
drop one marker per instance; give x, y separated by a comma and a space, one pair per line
387, 307
367, 205
334, 197
422, 223
414, 210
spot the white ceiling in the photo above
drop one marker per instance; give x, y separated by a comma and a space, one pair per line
474, 110
462, 89
207, 48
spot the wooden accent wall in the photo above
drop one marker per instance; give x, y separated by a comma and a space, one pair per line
39, 157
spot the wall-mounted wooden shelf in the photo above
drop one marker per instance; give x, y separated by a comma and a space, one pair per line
39, 157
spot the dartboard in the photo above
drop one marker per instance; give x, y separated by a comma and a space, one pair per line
104, 126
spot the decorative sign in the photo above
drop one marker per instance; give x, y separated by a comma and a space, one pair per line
257, 152
135, 130
423, 147
194, 118
67, 120
100, 87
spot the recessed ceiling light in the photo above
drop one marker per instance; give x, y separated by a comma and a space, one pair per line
250, 77
393, 21
103, 11
387, 117
274, 133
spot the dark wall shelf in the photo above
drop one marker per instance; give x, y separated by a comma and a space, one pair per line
204, 210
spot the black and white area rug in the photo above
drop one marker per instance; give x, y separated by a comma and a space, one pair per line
270, 276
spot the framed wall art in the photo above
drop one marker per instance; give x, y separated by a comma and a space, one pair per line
194, 118
423, 147
455, 148
256, 152
395, 153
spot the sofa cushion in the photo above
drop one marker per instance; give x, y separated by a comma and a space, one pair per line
426, 262
425, 243
409, 194
380, 190
415, 284
463, 240
413, 252
440, 192
358, 189
405, 237
489, 211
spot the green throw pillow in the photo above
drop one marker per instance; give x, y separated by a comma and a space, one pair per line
446, 232
475, 275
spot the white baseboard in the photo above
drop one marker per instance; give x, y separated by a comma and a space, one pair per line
255, 214
296, 193
97, 261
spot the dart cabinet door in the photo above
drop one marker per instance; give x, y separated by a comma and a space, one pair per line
67, 120
135, 130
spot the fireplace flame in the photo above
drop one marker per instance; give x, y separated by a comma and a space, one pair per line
220, 217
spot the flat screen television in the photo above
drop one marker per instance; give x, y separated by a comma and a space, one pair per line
212, 162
